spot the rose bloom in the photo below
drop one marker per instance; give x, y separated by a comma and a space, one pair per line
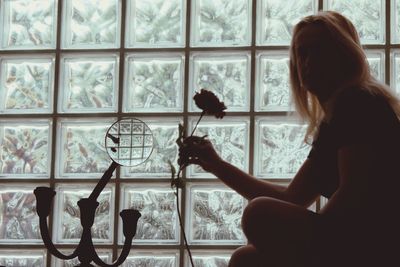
209, 103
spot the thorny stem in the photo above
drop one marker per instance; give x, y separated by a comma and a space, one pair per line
197, 123
180, 220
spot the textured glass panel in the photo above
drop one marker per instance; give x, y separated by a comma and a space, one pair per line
68, 227
24, 148
165, 134
376, 64
221, 22
280, 149
396, 72
89, 84
276, 19
26, 85
230, 140
273, 89
215, 215
160, 258
156, 23
154, 83
91, 23
28, 24
104, 256
368, 16
81, 150
211, 259
19, 222
22, 258
226, 75
396, 21
157, 204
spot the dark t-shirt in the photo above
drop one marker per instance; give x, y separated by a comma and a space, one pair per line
359, 117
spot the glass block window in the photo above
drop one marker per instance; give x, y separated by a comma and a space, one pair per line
368, 16
104, 255
70, 68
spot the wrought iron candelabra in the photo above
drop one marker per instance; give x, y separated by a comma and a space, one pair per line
127, 134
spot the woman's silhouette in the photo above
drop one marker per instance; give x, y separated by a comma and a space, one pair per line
354, 162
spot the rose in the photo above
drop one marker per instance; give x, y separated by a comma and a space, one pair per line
209, 103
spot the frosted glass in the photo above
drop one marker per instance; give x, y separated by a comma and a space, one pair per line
25, 148
396, 72
89, 84
91, 24
67, 226
104, 256
19, 222
396, 21
221, 22
276, 19
154, 83
156, 23
22, 258
165, 149
215, 214
28, 24
229, 138
227, 75
368, 16
81, 150
280, 149
211, 259
139, 258
157, 204
273, 87
376, 64
26, 85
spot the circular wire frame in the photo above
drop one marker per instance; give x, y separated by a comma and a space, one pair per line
129, 142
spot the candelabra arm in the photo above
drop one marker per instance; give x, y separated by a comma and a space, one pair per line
122, 257
103, 181
44, 231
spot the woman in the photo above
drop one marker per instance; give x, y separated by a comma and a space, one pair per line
353, 122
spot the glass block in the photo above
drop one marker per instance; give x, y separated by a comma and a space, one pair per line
19, 222
280, 150
395, 67
165, 133
395, 7
377, 64
80, 148
147, 258
230, 138
273, 86
25, 148
154, 82
91, 24
221, 23
227, 75
214, 215
28, 24
89, 83
276, 19
209, 258
104, 255
157, 204
22, 258
67, 225
368, 16
26, 84
156, 23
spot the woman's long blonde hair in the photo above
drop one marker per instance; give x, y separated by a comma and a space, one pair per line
344, 32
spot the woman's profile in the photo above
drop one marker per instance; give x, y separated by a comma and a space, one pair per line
354, 129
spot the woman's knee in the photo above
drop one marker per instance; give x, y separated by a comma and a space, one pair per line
245, 256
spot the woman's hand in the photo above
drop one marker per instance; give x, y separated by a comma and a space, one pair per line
200, 151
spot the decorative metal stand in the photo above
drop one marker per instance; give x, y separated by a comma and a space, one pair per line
129, 142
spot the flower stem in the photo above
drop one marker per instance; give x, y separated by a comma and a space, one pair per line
197, 123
